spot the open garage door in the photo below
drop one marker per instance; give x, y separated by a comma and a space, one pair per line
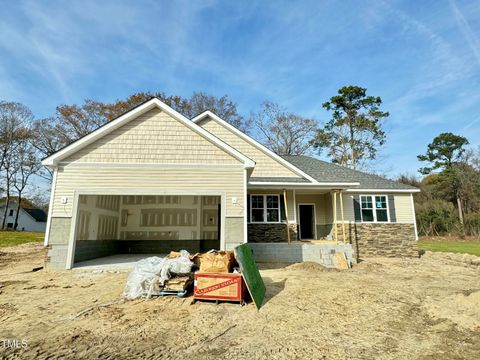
145, 224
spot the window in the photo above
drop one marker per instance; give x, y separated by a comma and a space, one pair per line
10, 213
374, 208
265, 208
10, 226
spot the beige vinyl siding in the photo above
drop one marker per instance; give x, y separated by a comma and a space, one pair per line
321, 205
348, 208
154, 137
403, 207
290, 201
265, 165
73, 178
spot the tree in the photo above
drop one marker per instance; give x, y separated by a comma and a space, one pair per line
27, 164
445, 153
14, 122
354, 133
222, 106
282, 132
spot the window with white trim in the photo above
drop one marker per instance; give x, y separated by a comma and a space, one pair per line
374, 208
264, 208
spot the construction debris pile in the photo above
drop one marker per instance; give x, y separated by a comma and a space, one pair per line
173, 275
152, 274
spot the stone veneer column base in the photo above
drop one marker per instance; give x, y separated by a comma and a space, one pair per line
389, 239
271, 233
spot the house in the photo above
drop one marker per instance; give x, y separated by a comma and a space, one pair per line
153, 180
29, 219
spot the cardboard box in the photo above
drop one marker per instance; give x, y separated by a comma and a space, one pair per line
220, 286
215, 262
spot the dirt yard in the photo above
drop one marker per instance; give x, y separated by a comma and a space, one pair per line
425, 308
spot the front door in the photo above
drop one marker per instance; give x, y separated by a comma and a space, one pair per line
307, 221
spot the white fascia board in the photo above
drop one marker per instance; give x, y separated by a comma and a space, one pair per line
259, 184
53, 160
253, 142
408, 191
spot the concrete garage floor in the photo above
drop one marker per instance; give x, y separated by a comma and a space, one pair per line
118, 262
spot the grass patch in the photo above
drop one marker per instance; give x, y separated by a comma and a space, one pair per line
12, 238
452, 245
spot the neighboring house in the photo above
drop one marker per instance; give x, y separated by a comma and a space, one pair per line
152, 181
28, 219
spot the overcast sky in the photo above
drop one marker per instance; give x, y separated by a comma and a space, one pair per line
421, 57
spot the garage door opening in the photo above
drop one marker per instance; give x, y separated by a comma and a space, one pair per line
108, 225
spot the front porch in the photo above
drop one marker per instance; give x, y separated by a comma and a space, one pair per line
321, 214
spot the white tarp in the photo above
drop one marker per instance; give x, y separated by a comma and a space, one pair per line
155, 269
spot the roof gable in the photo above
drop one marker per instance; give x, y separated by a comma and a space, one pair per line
117, 124
268, 164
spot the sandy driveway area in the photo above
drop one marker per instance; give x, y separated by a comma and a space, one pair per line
426, 308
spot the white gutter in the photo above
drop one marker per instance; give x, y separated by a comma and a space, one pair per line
408, 191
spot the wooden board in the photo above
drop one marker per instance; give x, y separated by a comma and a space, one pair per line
253, 280
340, 261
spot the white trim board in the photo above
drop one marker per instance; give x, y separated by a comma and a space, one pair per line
383, 191
53, 159
252, 142
50, 209
319, 185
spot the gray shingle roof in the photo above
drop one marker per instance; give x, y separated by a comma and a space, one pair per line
323, 171
279, 179
37, 214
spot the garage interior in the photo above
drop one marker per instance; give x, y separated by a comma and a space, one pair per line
145, 224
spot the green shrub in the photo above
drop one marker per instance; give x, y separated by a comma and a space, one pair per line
437, 217
472, 224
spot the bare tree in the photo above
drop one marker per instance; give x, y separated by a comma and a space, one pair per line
14, 121
282, 132
221, 106
9, 170
28, 164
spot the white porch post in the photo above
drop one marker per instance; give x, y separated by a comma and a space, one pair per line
342, 216
335, 215
286, 214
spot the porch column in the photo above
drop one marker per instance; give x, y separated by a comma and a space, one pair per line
286, 214
335, 215
342, 215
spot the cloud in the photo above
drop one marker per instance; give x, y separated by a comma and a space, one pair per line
466, 29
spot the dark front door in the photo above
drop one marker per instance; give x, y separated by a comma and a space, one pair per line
306, 222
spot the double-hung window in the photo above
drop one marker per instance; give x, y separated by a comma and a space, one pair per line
265, 208
374, 208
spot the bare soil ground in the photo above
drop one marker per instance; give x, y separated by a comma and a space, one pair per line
426, 308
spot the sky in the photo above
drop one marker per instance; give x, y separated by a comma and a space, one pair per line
421, 57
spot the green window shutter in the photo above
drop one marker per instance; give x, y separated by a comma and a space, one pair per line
356, 208
391, 208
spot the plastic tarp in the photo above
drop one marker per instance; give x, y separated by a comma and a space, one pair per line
148, 271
